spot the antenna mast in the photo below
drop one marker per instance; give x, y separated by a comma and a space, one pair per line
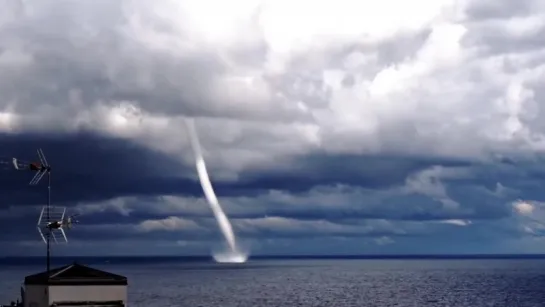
42, 168
52, 219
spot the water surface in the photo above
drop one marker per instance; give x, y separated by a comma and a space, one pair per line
329, 282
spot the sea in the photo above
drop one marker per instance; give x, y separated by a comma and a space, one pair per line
312, 281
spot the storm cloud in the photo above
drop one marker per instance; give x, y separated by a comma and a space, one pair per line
331, 126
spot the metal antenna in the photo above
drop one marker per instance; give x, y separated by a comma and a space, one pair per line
42, 168
54, 221
54, 226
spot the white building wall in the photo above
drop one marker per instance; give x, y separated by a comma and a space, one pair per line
87, 293
35, 296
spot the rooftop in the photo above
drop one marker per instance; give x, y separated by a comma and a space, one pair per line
93, 304
76, 274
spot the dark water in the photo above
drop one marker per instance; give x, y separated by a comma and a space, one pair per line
333, 282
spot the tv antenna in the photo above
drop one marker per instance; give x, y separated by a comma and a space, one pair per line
41, 168
55, 225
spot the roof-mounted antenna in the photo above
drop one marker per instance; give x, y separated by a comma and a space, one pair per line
41, 168
55, 225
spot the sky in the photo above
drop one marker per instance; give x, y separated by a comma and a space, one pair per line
328, 127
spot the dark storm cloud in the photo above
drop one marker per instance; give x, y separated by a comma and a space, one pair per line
117, 168
519, 178
23, 229
89, 167
403, 208
370, 171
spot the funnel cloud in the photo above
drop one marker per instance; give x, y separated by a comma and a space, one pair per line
233, 254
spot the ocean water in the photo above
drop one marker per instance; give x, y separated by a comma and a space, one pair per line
317, 282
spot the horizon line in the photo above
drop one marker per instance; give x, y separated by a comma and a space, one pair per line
357, 256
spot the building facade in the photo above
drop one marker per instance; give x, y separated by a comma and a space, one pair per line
75, 285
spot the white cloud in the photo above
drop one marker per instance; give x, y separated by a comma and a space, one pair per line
524, 208
171, 223
428, 182
531, 219
328, 75
384, 240
114, 205
456, 222
293, 227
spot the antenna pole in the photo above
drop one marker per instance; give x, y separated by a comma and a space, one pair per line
48, 218
43, 167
